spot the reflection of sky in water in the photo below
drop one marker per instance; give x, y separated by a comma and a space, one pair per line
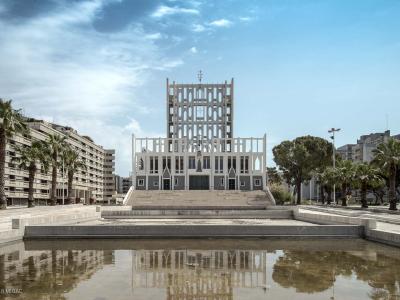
225, 270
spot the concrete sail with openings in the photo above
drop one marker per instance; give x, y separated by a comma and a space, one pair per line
200, 151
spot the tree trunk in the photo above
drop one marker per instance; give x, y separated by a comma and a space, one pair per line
329, 196
392, 188
344, 194
3, 198
364, 203
32, 172
298, 191
71, 200
54, 180
322, 193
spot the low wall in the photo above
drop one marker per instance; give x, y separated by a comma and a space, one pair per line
192, 231
61, 216
368, 224
138, 214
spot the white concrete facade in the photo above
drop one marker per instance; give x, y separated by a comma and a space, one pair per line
200, 151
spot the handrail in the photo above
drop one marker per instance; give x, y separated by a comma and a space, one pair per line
128, 195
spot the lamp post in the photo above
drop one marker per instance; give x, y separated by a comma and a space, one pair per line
63, 181
332, 131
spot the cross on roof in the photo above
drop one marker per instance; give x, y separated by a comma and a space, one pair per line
200, 76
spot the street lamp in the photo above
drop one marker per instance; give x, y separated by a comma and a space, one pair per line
332, 131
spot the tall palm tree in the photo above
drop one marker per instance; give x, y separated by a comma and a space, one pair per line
72, 163
345, 174
366, 178
387, 157
327, 179
11, 122
56, 145
28, 159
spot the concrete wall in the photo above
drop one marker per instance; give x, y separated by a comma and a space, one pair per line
152, 180
244, 183
163, 230
180, 182
217, 182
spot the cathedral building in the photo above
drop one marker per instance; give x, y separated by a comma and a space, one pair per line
200, 151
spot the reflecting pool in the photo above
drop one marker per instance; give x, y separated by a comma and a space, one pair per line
199, 269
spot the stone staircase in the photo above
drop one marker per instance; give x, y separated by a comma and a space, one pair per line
199, 199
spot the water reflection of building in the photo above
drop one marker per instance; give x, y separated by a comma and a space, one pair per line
199, 273
54, 272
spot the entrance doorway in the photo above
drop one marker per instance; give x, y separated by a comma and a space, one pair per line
166, 184
197, 182
232, 184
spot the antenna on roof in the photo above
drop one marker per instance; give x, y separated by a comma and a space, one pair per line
387, 121
200, 76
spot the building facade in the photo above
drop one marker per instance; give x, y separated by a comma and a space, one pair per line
200, 151
109, 189
362, 151
88, 184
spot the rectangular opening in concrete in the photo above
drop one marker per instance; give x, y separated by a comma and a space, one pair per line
199, 182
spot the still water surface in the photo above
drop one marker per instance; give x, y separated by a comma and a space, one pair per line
199, 269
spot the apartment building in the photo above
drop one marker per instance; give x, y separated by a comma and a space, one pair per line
362, 151
88, 184
126, 184
109, 188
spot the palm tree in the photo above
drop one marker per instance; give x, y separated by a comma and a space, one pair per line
11, 122
28, 159
326, 180
56, 145
366, 178
387, 157
345, 172
72, 163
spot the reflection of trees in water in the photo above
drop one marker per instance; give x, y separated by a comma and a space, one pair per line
49, 274
311, 272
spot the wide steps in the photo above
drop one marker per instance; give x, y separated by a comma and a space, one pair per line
199, 198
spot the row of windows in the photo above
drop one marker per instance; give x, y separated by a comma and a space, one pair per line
205, 163
257, 182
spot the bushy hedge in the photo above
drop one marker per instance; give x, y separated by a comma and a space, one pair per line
281, 194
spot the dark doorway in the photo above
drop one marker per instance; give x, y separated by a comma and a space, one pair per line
166, 184
232, 185
199, 183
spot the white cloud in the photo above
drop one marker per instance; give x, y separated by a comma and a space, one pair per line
221, 23
58, 65
198, 28
154, 36
163, 10
193, 50
245, 19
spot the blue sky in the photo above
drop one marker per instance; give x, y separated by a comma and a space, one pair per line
300, 67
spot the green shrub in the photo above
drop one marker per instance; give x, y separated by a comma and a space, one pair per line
280, 194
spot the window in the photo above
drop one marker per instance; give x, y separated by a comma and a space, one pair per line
179, 164
242, 183
153, 164
206, 162
167, 163
155, 183
192, 162
219, 164
141, 182
257, 182
244, 164
232, 162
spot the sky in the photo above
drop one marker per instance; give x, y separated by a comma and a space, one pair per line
300, 67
